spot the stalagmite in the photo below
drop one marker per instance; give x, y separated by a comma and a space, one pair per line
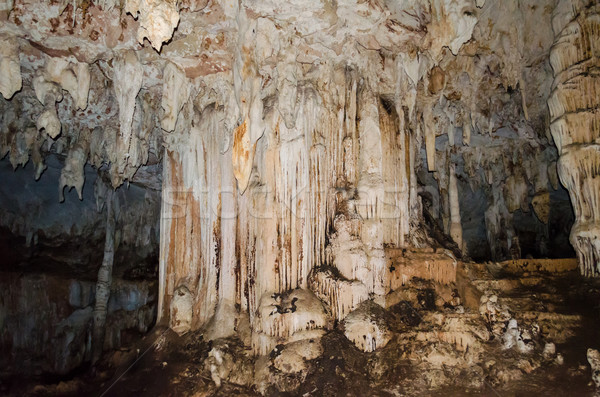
181, 310
574, 122
10, 67
104, 276
593, 357
366, 327
342, 296
288, 317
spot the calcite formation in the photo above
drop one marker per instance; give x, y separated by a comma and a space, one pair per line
593, 357
575, 124
73, 77
157, 19
48, 94
10, 67
315, 159
366, 327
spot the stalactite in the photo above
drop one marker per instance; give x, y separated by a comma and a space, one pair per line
370, 183
404, 175
286, 209
242, 156
127, 82
429, 126
455, 219
573, 107
73, 173
467, 129
10, 67
21, 146
48, 94
157, 19
175, 94
394, 218
36, 154
451, 26
523, 89
72, 77
499, 227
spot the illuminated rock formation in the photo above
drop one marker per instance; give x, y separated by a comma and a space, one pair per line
575, 121
315, 159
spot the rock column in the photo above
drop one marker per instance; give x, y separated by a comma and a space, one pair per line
575, 120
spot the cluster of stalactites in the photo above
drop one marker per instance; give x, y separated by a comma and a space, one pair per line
158, 19
124, 148
575, 120
58, 75
309, 170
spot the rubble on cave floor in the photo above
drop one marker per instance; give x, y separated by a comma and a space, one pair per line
516, 328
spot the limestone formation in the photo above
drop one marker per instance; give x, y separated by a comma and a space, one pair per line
104, 280
366, 327
573, 107
181, 310
10, 68
174, 95
48, 94
157, 20
593, 357
326, 169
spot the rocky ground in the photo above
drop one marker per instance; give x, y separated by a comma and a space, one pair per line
512, 329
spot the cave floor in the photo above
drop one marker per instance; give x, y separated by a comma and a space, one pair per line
434, 351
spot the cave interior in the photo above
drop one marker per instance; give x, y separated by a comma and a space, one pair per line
301, 198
